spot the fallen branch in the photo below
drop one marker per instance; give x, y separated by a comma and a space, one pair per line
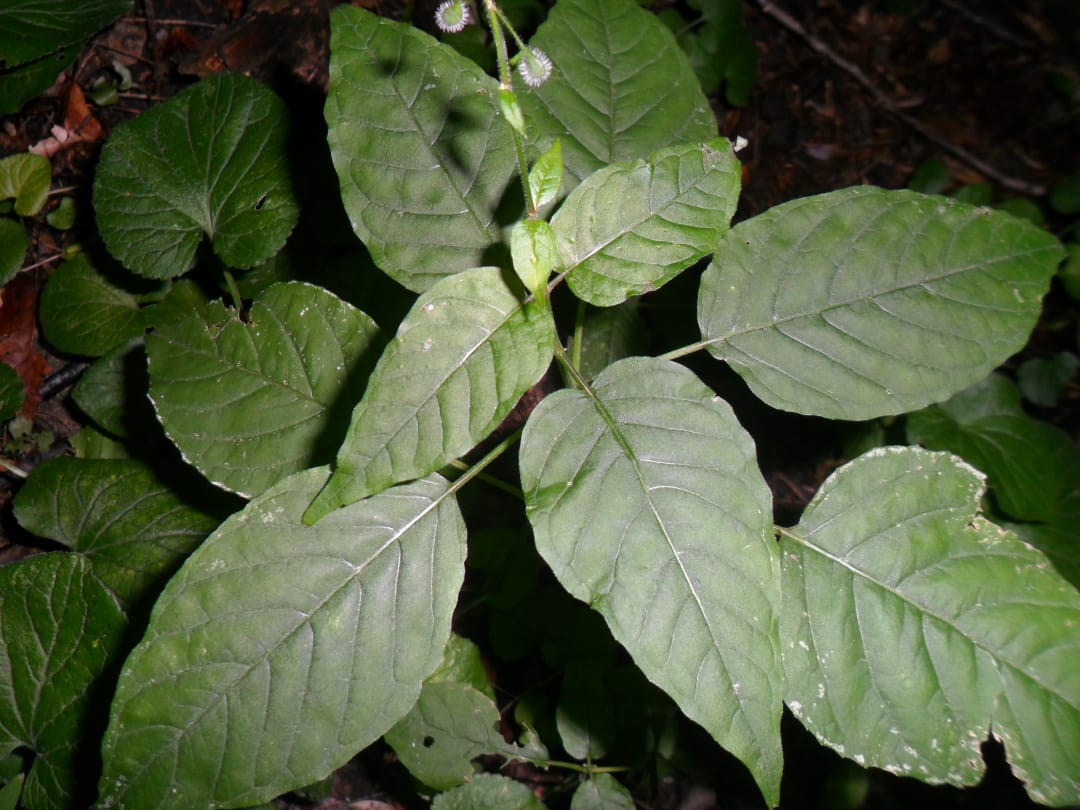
890, 106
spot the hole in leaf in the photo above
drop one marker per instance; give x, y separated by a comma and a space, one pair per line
261, 202
429, 741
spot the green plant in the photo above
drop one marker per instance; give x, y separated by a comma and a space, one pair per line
897, 619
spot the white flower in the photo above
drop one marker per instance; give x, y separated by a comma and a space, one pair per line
453, 15
534, 67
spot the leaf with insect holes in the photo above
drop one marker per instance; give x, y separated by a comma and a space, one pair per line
913, 627
208, 163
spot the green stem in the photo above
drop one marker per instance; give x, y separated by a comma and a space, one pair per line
492, 481
234, 291
495, 23
570, 373
477, 468
675, 354
579, 332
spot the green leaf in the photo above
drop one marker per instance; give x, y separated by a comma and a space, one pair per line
422, 153
10, 793
30, 79
601, 792
208, 162
864, 302
611, 334
463, 356
585, 714
85, 313
488, 791
545, 177
606, 101
12, 248
113, 388
912, 627
133, 527
27, 178
250, 402
12, 392
280, 650
36, 27
451, 724
647, 503
535, 254
1033, 468
1043, 379
632, 227
59, 627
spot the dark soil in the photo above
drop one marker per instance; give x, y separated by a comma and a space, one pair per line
866, 94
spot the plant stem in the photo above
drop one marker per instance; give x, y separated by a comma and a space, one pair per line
579, 331
234, 291
491, 480
495, 23
683, 351
477, 468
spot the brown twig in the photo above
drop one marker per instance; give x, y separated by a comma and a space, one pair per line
890, 106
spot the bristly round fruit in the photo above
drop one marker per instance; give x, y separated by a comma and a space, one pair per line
534, 67
452, 16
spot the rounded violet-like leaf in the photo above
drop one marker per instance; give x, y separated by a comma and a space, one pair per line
209, 163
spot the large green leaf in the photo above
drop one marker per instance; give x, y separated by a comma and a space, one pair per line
601, 792
913, 627
134, 528
208, 162
58, 628
632, 227
1032, 468
865, 302
422, 153
32, 28
280, 650
249, 402
85, 313
463, 356
621, 88
646, 501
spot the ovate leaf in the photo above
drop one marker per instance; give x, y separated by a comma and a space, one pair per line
865, 302
488, 791
83, 312
647, 503
249, 403
1032, 468
621, 88
463, 356
420, 148
118, 514
280, 650
25, 177
451, 724
210, 162
58, 628
632, 227
601, 792
36, 27
913, 627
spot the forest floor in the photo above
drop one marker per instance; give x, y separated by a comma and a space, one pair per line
846, 93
